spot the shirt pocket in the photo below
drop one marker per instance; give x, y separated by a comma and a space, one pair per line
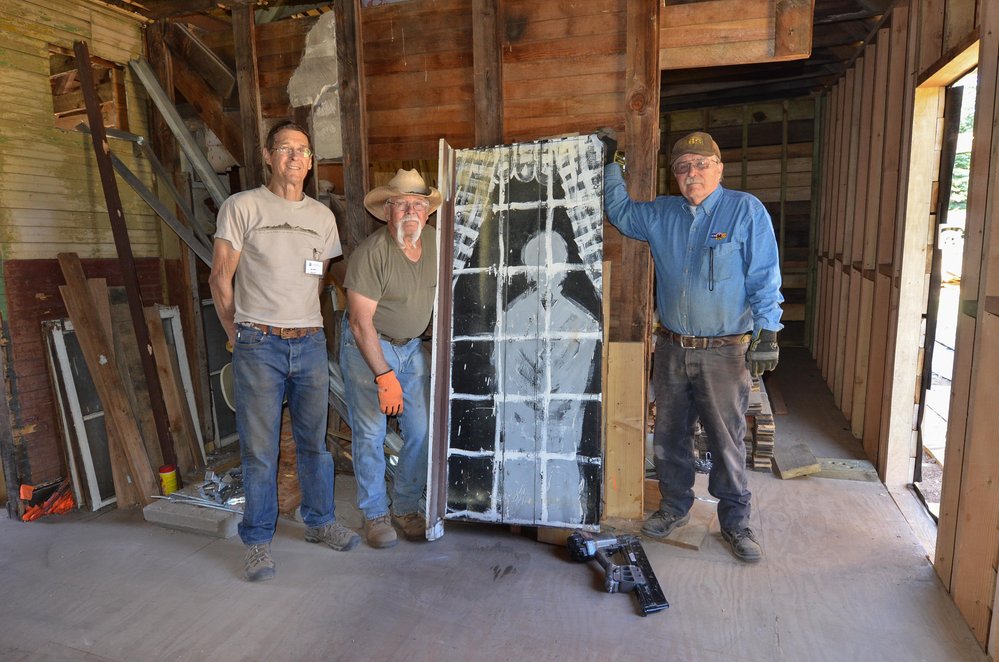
428, 278
721, 260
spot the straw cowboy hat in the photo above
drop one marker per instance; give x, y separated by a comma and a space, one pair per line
405, 182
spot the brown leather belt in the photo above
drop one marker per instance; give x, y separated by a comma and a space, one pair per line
703, 342
286, 333
398, 342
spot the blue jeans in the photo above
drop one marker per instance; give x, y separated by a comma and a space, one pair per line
265, 368
712, 384
367, 425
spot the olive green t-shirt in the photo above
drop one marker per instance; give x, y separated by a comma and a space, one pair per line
404, 290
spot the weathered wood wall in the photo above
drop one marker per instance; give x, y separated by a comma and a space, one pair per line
881, 141
51, 201
859, 258
418, 74
968, 539
50, 196
563, 72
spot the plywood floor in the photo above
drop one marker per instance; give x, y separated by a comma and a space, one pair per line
844, 578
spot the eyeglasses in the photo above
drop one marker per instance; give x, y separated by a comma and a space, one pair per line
687, 166
407, 205
304, 152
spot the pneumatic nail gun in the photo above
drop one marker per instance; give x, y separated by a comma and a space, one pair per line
634, 574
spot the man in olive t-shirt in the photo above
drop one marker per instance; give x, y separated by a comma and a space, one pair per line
391, 284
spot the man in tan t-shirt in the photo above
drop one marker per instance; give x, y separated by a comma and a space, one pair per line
271, 248
391, 285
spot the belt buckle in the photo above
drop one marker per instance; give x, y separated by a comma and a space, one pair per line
684, 345
288, 334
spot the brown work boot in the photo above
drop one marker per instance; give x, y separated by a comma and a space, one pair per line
379, 532
412, 525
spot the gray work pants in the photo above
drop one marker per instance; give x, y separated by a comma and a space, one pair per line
713, 385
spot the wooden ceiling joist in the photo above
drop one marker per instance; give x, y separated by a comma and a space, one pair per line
216, 72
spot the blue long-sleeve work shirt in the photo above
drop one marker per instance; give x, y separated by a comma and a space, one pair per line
717, 269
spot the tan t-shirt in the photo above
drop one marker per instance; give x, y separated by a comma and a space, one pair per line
275, 237
404, 290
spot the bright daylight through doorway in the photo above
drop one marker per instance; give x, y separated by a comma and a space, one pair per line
950, 244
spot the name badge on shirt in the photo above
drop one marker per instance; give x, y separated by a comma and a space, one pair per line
314, 267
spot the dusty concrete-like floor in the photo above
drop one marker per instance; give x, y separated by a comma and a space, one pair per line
844, 578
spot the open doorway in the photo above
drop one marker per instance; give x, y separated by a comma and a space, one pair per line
944, 291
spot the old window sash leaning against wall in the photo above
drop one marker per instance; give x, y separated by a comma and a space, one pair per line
518, 411
81, 412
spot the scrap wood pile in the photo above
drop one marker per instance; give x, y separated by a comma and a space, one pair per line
130, 441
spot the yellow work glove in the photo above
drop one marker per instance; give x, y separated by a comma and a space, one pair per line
389, 393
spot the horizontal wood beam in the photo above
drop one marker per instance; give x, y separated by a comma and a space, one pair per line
752, 94
807, 76
793, 28
726, 32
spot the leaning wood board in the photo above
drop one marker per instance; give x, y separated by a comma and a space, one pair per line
96, 350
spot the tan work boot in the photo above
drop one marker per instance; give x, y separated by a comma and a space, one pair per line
412, 525
258, 566
379, 532
335, 536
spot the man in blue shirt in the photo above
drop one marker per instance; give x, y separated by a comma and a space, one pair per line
718, 299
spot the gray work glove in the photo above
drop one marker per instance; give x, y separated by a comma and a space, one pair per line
763, 352
609, 138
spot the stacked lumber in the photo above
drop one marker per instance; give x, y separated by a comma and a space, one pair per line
760, 429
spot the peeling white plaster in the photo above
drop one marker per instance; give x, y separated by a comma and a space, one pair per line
316, 83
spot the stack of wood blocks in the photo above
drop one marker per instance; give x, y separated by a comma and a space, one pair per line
760, 429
